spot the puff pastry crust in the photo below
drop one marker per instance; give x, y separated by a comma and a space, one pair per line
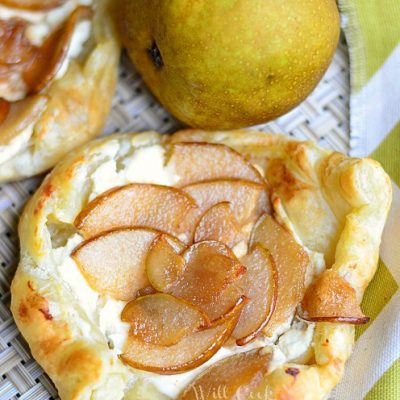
77, 104
336, 205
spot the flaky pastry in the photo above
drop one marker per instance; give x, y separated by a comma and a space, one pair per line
333, 205
59, 64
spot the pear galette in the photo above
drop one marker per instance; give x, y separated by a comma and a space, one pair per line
198, 264
58, 67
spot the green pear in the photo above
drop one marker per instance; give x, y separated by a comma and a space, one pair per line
222, 64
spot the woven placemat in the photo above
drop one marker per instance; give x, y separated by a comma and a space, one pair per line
323, 117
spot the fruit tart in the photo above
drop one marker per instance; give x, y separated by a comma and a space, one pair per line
199, 265
58, 69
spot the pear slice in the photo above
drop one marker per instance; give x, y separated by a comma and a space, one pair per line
220, 305
195, 162
218, 223
16, 51
291, 262
53, 52
330, 298
236, 377
248, 201
260, 286
162, 319
210, 268
190, 352
4, 109
36, 66
113, 263
146, 291
17, 116
163, 264
136, 204
33, 5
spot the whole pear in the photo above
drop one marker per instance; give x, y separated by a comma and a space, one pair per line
222, 64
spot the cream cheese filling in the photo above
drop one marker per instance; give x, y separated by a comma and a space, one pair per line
293, 341
41, 25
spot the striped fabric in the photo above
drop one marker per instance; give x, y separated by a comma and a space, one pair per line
372, 29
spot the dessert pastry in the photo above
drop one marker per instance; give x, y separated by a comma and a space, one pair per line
171, 267
58, 69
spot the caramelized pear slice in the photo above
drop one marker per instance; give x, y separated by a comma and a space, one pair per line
210, 268
163, 264
33, 5
15, 47
146, 291
19, 115
53, 52
218, 223
260, 286
235, 376
35, 67
17, 53
248, 201
162, 319
153, 206
221, 302
330, 298
4, 109
190, 352
113, 263
291, 263
195, 162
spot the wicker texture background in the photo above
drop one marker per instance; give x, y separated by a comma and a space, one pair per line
323, 118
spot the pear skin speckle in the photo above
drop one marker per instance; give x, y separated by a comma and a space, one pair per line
225, 64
